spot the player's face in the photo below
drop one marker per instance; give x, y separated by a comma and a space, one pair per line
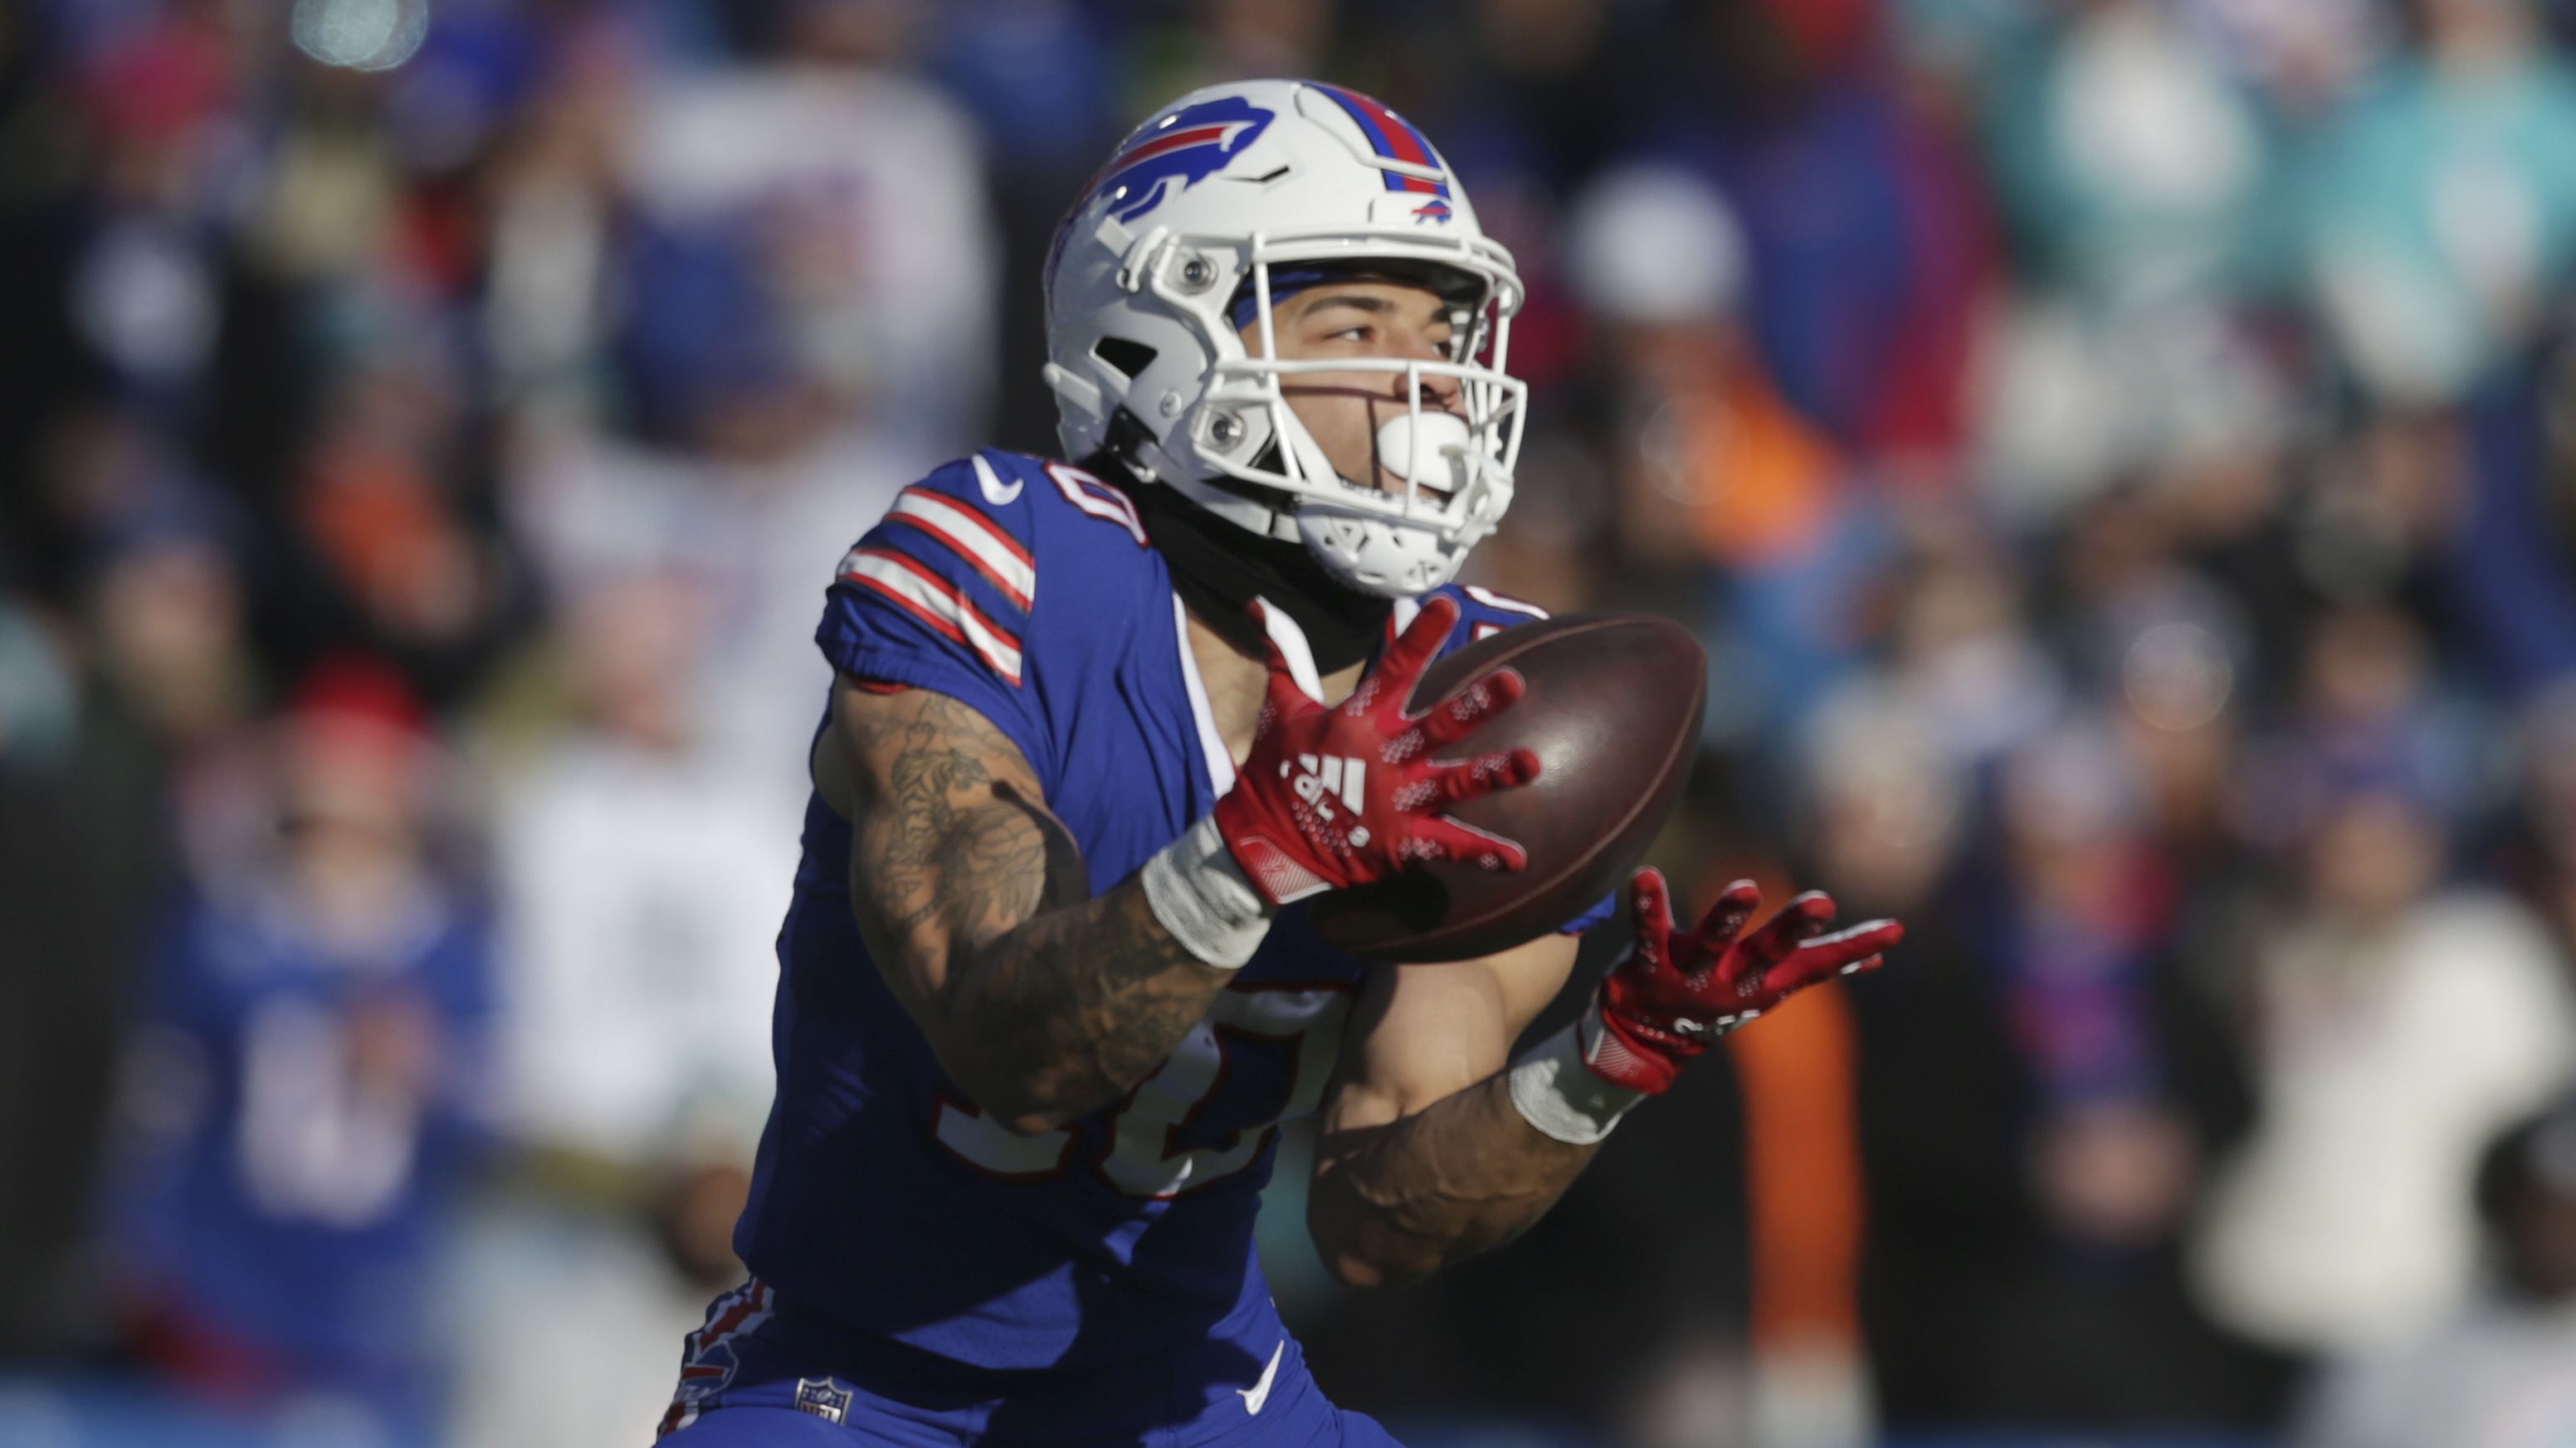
1358, 319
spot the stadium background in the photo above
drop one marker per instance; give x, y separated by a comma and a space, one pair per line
2120, 454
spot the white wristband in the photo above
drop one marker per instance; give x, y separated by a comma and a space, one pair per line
1199, 893
1560, 1095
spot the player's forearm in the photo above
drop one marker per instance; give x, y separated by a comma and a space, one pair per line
1063, 1013
1396, 1202
1041, 1002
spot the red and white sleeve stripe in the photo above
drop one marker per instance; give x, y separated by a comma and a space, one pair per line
936, 602
984, 544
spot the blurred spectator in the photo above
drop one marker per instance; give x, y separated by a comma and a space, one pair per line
2367, 718
1658, 260
641, 891
2436, 216
2171, 650
858, 191
1867, 225
166, 603
2393, 1025
305, 1088
2088, 900
1723, 472
1043, 79
2134, 175
640, 895
799, 317
552, 196
1961, 651
81, 848
106, 716
1037, 74
2035, 1110
752, 534
2538, 855
390, 562
1227, 40
2303, 56
2494, 1375
2507, 562
144, 287
2128, 164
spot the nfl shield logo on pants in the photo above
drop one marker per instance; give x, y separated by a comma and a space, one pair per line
823, 1398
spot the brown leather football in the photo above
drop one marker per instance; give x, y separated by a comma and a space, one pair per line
1613, 710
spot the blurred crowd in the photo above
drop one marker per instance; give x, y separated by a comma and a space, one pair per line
2120, 456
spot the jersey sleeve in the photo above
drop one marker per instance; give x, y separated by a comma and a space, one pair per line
938, 596
1482, 613
1592, 919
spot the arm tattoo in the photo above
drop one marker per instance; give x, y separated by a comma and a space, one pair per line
1422, 1191
1050, 1002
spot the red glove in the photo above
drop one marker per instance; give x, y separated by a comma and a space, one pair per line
1675, 992
1332, 798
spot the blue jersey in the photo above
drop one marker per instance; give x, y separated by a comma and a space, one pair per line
292, 1209
884, 1205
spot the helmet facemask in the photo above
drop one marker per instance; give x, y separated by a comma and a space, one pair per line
1453, 464
1241, 438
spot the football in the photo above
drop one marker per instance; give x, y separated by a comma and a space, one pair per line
1613, 711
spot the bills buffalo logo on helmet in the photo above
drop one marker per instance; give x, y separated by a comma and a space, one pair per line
1187, 146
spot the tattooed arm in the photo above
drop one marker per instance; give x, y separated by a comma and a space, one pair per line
1431, 1150
1041, 1003
1423, 1159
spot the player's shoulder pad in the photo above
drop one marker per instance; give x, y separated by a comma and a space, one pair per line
1482, 612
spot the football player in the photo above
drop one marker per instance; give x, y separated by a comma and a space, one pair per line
1096, 729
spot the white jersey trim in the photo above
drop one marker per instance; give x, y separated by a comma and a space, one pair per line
1220, 764
1505, 602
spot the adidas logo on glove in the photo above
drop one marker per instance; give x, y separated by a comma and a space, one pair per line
1319, 781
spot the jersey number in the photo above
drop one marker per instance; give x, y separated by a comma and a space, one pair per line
1144, 1156
1098, 499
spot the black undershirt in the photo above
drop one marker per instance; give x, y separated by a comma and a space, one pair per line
1219, 568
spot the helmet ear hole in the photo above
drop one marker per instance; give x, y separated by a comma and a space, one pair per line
1128, 359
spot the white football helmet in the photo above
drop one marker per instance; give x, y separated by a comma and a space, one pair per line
1205, 215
